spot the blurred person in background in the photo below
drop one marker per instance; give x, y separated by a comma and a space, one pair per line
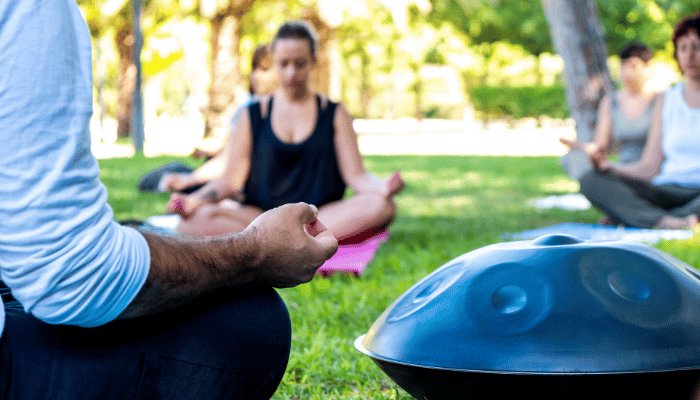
179, 177
624, 116
294, 145
662, 188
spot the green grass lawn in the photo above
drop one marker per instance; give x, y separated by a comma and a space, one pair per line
451, 205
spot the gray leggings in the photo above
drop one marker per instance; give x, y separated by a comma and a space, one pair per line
638, 203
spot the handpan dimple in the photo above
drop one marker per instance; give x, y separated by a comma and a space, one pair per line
508, 299
629, 286
556, 240
426, 291
420, 295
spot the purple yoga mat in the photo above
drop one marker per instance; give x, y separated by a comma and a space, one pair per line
353, 257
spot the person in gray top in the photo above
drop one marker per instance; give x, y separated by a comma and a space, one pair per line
624, 116
662, 189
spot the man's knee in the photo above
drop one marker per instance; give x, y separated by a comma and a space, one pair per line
230, 345
247, 330
255, 324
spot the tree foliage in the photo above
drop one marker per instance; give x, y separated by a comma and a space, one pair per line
649, 21
382, 56
524, 22
488, 21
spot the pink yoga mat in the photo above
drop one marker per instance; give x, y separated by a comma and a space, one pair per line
353, 257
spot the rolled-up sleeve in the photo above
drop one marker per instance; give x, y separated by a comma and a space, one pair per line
61, 252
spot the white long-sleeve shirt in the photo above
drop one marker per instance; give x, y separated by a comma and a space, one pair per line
61, 253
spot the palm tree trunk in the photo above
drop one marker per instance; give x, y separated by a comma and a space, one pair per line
126, 79
320, 79
365, 85
225, 72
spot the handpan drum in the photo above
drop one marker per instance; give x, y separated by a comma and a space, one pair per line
554, 318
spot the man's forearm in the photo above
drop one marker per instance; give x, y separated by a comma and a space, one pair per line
283, 247
183, 269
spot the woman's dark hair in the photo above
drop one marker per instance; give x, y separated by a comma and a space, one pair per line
297, 30
685, 25
260, 61
636, 49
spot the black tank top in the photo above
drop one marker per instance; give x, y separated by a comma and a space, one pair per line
284, 173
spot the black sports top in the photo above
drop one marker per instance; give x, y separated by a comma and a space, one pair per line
283, 173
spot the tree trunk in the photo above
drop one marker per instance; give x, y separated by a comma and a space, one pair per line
417, 91
578, 38
126, 79
365, 87
225, 70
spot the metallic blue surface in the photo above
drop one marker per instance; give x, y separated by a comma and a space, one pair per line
553, 305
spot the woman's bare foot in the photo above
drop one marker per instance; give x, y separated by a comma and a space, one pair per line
671, 222
183, 204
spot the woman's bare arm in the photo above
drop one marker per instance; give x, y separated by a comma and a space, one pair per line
350, 160
603, 127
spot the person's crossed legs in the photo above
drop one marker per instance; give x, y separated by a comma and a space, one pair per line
640, 203
221, 347
347, 217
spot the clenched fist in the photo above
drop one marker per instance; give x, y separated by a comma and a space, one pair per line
290, 243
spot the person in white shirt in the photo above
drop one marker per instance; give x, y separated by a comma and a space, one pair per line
661, 189
97, 310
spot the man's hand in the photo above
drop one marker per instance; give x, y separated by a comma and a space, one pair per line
282, 247
291, 243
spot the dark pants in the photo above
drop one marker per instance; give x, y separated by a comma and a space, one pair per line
638, 203
222, 347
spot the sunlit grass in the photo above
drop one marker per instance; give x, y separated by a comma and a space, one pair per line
451, 205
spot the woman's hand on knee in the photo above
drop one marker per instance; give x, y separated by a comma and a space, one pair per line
593, 150
290, 244
394, 184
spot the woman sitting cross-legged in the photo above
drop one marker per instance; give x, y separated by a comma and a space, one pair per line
624, 116
662, 189
292, 146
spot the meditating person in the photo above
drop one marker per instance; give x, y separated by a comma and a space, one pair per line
294, 145
178, 177
662, 188
94, 310
624, 116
